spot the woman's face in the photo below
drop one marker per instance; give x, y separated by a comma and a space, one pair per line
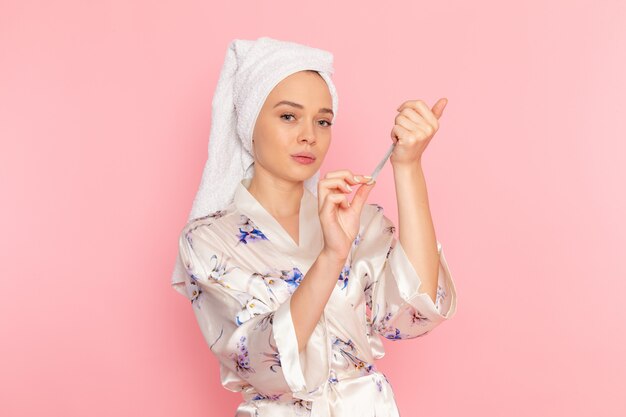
295, 118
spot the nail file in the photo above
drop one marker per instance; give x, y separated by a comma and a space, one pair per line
379, 167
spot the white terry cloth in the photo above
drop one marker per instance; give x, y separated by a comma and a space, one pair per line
251, 69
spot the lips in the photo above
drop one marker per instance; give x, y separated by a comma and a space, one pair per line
305, 155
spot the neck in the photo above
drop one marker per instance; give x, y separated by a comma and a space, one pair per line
279, 197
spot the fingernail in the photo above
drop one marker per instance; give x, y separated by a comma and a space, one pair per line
357, 178
370, 182
348, 187
367, 176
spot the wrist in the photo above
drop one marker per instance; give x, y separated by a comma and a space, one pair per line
332, 257
404, 166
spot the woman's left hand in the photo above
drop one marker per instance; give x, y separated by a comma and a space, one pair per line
415, 125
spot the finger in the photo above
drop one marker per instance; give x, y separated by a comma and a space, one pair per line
424, 129
345, 174
351, 179
398, 132
424, 111
411, 123
427, 113
332, 201
339, 200
331, 186
401, 106
360, 197
338, 184
439, 106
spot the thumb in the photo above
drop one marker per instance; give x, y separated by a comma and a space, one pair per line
360, 197
439, 106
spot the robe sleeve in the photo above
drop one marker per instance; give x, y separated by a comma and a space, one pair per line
398, 309
251, 334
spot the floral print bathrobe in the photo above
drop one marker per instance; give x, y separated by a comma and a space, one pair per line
242, 268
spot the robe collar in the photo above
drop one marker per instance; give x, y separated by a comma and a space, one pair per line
310, 230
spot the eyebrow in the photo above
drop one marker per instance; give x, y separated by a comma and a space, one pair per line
300, 106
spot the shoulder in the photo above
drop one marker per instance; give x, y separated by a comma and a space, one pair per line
202, 245
208, 229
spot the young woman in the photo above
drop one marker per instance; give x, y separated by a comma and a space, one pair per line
293, 289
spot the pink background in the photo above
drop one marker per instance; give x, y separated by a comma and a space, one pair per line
104, 120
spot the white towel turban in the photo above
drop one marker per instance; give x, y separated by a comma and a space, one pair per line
251, 69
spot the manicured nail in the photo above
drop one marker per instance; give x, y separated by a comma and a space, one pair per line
370, 182
348, 187
367, 176
357, 178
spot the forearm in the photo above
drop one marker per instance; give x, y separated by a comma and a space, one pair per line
416, 230
310, 298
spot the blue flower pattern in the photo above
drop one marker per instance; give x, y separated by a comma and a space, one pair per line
284, 282
344, 276
349, 352
293, 277
248, 231
242, 358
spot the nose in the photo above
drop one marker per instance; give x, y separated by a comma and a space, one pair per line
307, 135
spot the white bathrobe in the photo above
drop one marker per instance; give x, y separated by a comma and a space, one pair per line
242, 268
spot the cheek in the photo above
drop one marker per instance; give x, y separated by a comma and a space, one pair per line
324, 144
264, 139
269, 149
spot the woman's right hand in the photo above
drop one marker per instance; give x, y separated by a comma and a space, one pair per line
339, 218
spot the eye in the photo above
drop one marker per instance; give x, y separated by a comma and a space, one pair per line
284, 115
